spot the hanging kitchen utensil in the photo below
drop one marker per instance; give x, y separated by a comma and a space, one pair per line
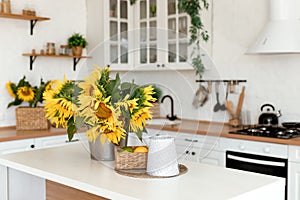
200, 97
223, 106
240, 103
209, 86
217, 107
235, 121
232, 87
229, 107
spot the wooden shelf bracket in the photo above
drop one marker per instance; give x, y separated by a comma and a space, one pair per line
32, 25
32, 59
75, 62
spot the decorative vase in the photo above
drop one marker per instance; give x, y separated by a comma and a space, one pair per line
77, 51
102, 152
162, 157
28, 118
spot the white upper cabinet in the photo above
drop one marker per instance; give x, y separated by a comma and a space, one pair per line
149, 35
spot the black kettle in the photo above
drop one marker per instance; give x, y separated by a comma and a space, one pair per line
269, 117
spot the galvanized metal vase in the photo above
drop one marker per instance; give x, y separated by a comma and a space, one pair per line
102, 152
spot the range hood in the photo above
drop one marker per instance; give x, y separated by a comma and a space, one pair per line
282, 33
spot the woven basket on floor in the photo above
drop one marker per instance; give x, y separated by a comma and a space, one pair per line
31, 118
130, 160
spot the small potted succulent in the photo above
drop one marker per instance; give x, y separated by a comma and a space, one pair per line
77, 42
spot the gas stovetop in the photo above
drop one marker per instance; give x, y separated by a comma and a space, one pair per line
269, 131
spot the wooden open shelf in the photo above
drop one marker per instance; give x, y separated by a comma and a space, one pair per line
32, 58
33, 19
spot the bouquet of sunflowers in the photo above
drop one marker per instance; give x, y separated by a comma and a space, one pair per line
108, 107
25, 92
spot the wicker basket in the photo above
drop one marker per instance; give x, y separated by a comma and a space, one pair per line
31, 118
155, 110
129, 160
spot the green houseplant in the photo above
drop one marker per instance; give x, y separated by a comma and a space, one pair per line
197, 32
77, 42
31, 117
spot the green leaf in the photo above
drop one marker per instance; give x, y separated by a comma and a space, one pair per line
71, 128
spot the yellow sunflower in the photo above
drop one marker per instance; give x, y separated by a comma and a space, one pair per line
9, 89
139, 118
147, 93
58, 109
25, 93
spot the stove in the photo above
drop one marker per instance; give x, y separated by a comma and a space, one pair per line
269, 131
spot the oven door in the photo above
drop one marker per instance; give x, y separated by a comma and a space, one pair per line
259, 164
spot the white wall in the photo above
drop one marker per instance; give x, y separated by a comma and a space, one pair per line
67, 17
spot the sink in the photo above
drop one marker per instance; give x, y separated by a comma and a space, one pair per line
163, 122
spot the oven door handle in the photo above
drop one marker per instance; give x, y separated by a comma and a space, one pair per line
261, 162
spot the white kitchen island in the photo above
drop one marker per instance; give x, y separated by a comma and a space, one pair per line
71, 166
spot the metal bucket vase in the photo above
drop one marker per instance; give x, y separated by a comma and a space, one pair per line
102, 152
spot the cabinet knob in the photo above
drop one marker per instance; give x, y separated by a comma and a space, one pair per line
163, 65
267, 150
187, 152
32, 146
193, 153
158, 65
242, 147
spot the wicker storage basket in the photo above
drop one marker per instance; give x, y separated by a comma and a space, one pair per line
129, 160
31, 118
155, 110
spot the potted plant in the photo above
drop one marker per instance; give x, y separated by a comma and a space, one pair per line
110, 109
77, 42
30, 117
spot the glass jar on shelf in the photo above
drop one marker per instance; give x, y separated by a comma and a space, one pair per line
64, 50
50, 48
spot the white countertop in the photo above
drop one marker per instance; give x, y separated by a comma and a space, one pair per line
71, 165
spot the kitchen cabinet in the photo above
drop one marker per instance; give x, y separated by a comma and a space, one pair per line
17, 146
38, 143
191, 147
25, 182
54, 141
294, 173
294, 181
149, 35
200, 148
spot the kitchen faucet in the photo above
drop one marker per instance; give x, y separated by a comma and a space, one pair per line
172, 117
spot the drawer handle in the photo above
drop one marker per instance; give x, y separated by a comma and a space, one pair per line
32, 146
190, 140
75, 140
